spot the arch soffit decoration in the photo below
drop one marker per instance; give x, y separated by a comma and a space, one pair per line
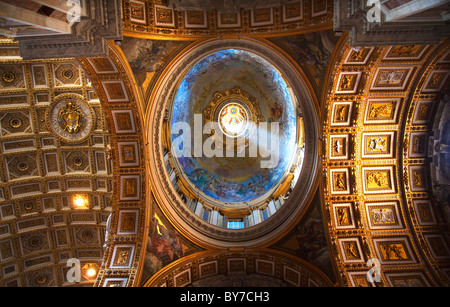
286, 269
125, 243
152, 20
377, 196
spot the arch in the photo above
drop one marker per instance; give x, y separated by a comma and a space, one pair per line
125, 243
265, 268
369, 172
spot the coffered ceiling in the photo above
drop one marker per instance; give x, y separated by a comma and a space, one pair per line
378, 195
176, 20
44, 167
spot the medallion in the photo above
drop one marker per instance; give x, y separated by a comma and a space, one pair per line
71, 118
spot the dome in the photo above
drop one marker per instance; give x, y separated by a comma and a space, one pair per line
241, 109
227, 129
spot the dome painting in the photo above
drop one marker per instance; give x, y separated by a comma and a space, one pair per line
269, 133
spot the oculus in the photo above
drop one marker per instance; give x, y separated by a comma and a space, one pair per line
237, 114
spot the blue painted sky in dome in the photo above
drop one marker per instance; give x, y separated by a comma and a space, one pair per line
236, 180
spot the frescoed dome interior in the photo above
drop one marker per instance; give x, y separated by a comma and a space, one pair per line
237, 179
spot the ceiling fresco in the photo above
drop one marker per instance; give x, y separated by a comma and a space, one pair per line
312, 51
236, 179
147, 59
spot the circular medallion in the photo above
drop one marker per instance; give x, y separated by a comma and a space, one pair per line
15, 122
8, 77
71, 118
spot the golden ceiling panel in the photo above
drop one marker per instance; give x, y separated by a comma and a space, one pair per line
374, 189
53, 144
152, 19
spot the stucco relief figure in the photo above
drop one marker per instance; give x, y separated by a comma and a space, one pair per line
351, 251
383, 216
71, 118
339, 147
390, 77
123, 257
378, 179
393, 252
342, 113
357, 54
343, 216
340, 182
347, 82
376, 144
384, 110
403, 50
